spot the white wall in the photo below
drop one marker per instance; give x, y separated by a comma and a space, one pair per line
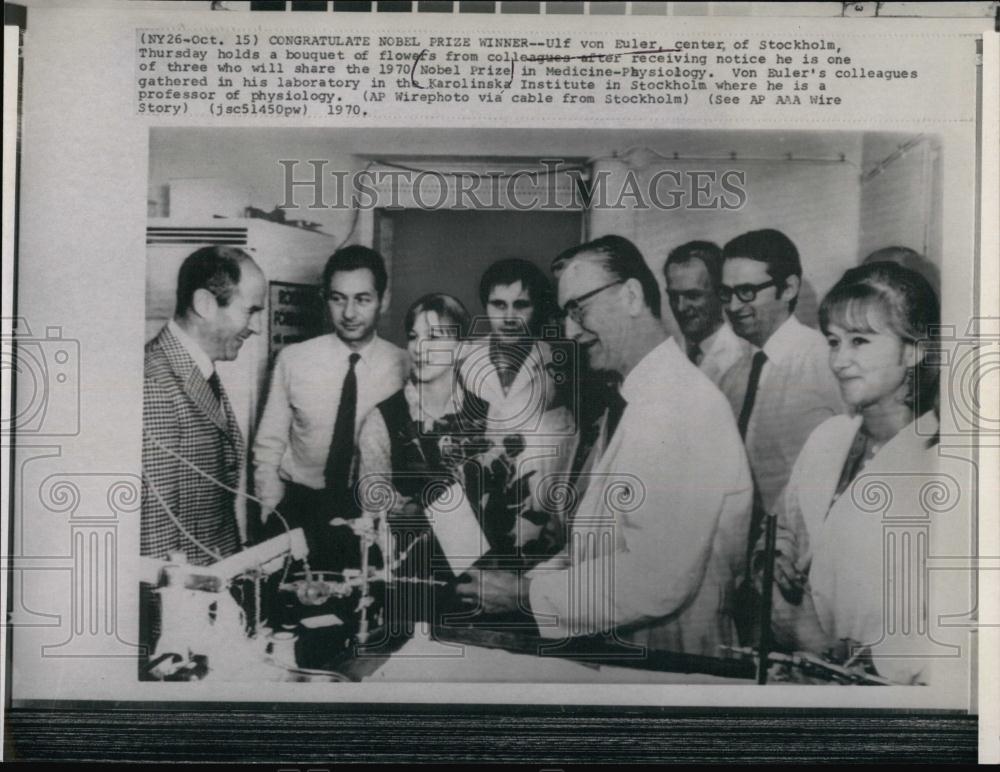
900, 195
248, 161
823, 207
814, 204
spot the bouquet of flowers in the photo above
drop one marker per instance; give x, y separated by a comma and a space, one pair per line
455, 448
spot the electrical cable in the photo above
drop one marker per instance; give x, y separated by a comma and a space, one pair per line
215, 555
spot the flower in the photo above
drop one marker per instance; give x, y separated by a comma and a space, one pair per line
514, 444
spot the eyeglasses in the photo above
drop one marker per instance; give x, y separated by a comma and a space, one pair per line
574, 310
745, 292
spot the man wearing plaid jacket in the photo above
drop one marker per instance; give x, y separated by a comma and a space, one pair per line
192, 448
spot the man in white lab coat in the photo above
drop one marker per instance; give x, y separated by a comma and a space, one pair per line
659, 535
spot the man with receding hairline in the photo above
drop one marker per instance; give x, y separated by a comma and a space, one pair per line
694, 272
655, 544
186, 413
192, 447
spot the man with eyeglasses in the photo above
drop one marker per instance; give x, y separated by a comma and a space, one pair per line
787, 386
655, 544
321, 390
694, 272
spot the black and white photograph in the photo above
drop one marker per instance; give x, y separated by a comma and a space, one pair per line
487, 413
535, 382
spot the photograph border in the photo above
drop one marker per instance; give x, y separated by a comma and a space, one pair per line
311, 734
553, 736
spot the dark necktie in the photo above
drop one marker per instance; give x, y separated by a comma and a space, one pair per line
694, 353
589, 435
616, 406
338, 462
216, 385
751, 395
590, 430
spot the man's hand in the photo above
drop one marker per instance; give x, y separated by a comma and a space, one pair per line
495, 592
788, 578
796, 625
270, 492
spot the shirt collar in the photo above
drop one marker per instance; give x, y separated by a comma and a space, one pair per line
196, 352
515, 350
784, 340
707, 343
647, 374
364, 352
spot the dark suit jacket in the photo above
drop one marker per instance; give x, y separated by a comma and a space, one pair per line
182, 421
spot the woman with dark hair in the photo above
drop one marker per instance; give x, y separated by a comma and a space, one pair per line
833, 584
511, 362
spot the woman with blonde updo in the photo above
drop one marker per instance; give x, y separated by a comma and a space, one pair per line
835, 580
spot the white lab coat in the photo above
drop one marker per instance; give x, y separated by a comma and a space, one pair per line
659, 537
531, 393
869, 551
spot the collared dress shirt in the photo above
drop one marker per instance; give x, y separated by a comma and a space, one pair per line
659, 536
796, 393
719, 353
295, 431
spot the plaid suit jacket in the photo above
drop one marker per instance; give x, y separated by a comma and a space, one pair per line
181, 417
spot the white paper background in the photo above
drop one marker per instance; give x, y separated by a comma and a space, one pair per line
82, 264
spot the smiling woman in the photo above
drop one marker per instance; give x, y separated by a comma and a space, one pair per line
435, 325
879, 320
831, 558
427, 448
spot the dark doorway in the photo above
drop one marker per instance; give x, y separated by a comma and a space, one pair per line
448, 251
